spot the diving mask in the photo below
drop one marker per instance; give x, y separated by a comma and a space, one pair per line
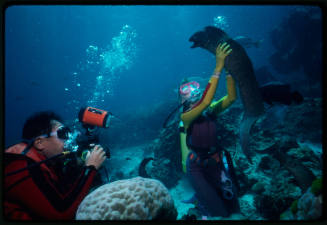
190, 91
62, 133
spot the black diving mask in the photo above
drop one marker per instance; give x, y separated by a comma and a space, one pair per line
62, 133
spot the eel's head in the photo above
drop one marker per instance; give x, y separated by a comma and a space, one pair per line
199, 39
208, 37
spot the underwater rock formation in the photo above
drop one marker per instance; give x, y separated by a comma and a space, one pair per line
270, 207
285, 165
303, 176
283, 134
166, 165
288, 134
298, 43
308, 206
131, 199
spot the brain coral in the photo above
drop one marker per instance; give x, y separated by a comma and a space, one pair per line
131, 199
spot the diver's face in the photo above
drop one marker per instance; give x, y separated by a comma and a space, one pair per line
190, 92
53, 145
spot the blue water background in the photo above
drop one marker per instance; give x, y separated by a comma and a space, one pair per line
46, 55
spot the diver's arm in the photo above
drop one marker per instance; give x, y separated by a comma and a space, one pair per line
222, 52
184, 149
189, 116
222, 104
43, 197
205, 101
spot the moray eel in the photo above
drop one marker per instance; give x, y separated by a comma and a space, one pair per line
239, 65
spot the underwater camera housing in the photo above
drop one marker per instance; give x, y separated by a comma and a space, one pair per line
91, 119
94, 117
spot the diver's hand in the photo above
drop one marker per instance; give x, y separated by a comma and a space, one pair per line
222, 51
96, 157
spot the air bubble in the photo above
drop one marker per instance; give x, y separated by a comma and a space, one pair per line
107, 63
221, 22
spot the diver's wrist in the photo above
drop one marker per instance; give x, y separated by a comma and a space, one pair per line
216, 74
218, 69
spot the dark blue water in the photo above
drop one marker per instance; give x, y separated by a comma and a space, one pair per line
50, 63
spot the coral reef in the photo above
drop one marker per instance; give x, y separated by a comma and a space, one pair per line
131, 199
280, 159
294, 207
271, 208
285, 145
277, 136
248, 207
316, 187
307, 207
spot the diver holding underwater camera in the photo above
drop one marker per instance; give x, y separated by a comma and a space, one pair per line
91, 119
50, 171
35, 185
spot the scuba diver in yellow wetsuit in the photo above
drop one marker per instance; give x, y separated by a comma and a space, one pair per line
208, 167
